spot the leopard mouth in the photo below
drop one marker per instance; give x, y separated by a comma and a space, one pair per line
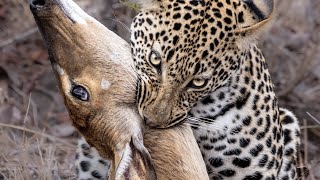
178, 121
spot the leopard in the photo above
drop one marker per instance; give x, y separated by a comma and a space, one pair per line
198, 62
88, 162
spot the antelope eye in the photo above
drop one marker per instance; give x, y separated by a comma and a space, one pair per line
80, 93
155, 59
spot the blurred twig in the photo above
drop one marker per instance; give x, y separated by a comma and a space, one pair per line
309, 57
315, 119
38, 133
305, 136
18, 37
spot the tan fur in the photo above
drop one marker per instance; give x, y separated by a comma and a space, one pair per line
88, 54
174, 153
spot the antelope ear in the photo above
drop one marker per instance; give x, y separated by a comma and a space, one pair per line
253, 14
146, 157
122, 161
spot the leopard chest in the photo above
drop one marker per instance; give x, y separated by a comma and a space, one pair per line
237, 140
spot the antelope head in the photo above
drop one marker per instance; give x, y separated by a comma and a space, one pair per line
95, 75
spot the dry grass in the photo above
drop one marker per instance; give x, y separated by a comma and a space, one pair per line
36, 138
28, 154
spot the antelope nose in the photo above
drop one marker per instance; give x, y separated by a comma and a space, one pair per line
36, 4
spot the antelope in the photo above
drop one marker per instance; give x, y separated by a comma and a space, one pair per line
97, 80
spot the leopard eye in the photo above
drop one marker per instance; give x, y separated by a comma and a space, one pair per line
80, 93
198, 83
155, 59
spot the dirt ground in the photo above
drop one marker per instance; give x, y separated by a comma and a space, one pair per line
37, 140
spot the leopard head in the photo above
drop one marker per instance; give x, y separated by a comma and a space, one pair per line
183, 50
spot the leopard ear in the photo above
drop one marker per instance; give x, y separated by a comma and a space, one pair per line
253, 14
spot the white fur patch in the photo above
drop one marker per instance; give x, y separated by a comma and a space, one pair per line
186, 103
125, 161
116, 56
59, 69
156, 46
73, 11
105, 84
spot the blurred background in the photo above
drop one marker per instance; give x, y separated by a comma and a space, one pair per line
37, 140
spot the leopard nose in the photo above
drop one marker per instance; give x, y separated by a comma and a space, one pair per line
37, 4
